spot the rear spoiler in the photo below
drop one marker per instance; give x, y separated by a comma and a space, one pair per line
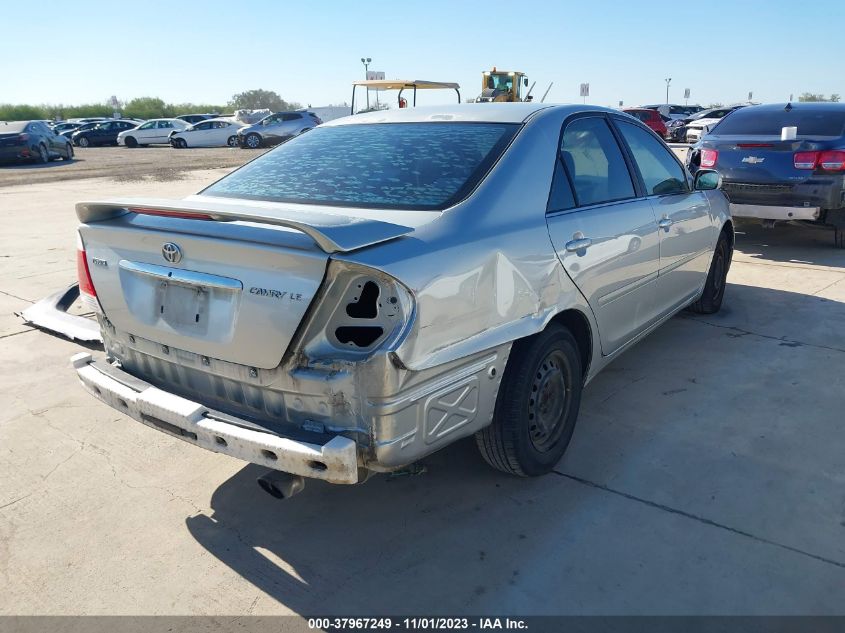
332, 233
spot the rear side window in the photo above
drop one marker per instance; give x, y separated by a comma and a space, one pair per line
595, 163
809, 121
382, 165
660, 171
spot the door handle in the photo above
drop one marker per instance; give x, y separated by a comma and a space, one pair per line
665, 223
578, 244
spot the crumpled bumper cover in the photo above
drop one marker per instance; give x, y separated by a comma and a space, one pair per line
336, 461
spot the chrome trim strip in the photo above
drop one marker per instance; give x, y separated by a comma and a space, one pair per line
179, 276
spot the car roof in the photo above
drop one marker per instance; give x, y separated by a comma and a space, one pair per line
465, 112
835, 106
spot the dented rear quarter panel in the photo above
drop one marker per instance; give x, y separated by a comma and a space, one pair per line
485, 273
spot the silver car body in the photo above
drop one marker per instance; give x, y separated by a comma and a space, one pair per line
470, 280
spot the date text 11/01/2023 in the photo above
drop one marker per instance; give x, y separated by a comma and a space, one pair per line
417, 623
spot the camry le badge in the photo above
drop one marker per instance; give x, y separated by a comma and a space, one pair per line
753, 160
171, 252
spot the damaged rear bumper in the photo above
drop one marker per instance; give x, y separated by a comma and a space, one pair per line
51, 314
335, 461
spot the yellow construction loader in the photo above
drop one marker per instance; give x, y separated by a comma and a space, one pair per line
499, 86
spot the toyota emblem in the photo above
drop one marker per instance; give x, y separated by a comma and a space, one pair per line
171, 252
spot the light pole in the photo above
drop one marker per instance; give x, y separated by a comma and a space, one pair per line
668, 81
366, 61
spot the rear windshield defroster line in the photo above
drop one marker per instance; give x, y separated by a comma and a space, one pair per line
411, 166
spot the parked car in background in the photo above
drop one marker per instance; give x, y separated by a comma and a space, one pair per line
65, 126
276, 128
412, 307
68, 132
677, 128
699, 124
196, 118
209, 133
154, 131
650, 117
771, 174
90, 119
32, 140
674, 110
103, 133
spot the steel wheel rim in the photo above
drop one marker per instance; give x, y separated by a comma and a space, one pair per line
548, 402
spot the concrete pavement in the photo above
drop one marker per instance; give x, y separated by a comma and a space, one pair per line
705, 476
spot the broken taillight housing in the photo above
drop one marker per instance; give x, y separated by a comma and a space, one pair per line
357, 312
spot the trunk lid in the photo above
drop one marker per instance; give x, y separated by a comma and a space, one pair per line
233, 288
761, 159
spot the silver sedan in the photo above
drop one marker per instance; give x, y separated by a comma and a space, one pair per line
374, 290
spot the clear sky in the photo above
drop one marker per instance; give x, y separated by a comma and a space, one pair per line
310, 51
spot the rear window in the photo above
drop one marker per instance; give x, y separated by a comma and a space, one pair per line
383, 165
13, 126
751, 122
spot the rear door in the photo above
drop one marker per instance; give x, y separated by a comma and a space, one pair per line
686, 230
603, 230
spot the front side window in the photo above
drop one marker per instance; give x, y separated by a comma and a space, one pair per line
660, 171
382, 165
595, 163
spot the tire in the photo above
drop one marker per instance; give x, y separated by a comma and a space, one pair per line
714, 288
83, 141
68, 152
839, 237
43, 154
131, 142
537, 405
252, 141
232, 141
179, 143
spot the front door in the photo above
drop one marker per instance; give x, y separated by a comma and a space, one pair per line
604, 234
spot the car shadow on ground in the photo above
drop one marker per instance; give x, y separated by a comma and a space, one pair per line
791, 242
59, 162
481, 541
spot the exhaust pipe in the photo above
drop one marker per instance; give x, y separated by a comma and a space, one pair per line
281, 485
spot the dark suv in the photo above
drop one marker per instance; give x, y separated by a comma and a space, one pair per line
781, 162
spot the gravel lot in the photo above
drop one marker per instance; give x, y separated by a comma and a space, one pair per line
705, 476
121, 164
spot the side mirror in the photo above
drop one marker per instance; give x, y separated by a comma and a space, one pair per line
706, 180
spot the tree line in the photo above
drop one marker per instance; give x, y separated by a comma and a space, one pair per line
146, 107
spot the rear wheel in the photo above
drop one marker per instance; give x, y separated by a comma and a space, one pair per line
68, 152
83, 141
537, 405
714, 288
252, 141
43, 155
131, 141
232, 141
